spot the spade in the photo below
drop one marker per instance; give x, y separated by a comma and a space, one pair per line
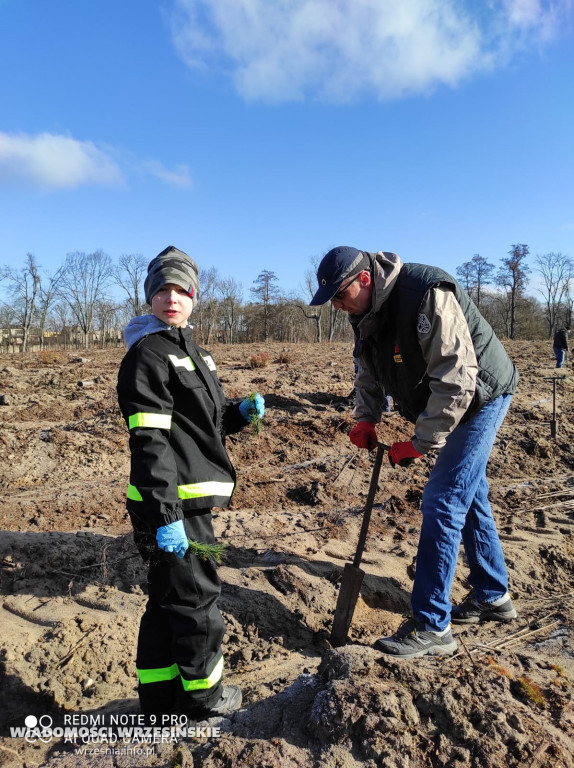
352, 573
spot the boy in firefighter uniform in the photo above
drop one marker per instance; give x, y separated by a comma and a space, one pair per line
178, 417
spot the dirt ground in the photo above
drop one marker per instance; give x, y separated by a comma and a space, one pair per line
73, 587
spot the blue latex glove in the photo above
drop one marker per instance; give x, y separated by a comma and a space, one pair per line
250, 407
173, 538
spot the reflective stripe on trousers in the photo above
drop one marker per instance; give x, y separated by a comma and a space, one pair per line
169, 673
192, 490
179, 659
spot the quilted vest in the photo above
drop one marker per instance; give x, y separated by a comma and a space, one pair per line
393, 355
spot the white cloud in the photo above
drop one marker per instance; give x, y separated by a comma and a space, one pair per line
541, 18
49, 161
179, 177
340, 49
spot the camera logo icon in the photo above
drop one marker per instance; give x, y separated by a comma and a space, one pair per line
38, 729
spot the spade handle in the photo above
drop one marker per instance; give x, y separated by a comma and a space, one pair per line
381, 448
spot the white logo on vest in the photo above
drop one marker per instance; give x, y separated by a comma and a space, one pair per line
423, 325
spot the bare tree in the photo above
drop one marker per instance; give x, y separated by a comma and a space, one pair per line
207, 307
59, 319
107, 315
82, 282
569, 305
24, 287
316, 316
285, 325
337, 324
47, 296
124, 314
130, 275
557, 272
513, 277
314, 313
230, 293
474, 275
7, 319
495, 311
463, 274
530, 318
265, 292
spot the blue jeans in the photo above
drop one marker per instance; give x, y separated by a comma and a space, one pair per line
455, 505
559, 354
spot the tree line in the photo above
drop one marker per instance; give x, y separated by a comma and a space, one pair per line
76, 301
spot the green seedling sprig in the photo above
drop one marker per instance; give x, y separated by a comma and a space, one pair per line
213, 552
254, 418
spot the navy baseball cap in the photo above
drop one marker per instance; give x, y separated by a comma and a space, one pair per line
335, 266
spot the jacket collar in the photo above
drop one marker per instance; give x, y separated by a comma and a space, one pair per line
144, 325
385, 268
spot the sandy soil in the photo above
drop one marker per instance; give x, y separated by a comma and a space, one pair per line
73, 587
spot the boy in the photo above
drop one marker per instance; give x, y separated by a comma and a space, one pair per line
178, 417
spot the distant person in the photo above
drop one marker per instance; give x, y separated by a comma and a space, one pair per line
421, 339
560, 345
178, 417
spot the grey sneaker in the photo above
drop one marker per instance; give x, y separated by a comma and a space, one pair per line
230, 701
471, 611
411, 641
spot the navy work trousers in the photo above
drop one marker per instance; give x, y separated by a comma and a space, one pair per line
179, 659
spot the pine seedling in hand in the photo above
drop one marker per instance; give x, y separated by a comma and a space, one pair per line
213, 552
254, 418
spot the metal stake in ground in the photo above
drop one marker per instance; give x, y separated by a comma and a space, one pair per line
554, 379
352, 574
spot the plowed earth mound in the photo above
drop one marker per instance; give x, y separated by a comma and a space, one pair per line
73, 587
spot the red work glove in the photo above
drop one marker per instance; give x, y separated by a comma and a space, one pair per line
403, 454
363, 435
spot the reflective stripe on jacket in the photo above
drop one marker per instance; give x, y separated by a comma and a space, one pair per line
178, 416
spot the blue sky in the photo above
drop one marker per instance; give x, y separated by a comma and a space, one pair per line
257, 134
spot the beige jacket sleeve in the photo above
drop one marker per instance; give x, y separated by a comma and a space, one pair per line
452, 368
